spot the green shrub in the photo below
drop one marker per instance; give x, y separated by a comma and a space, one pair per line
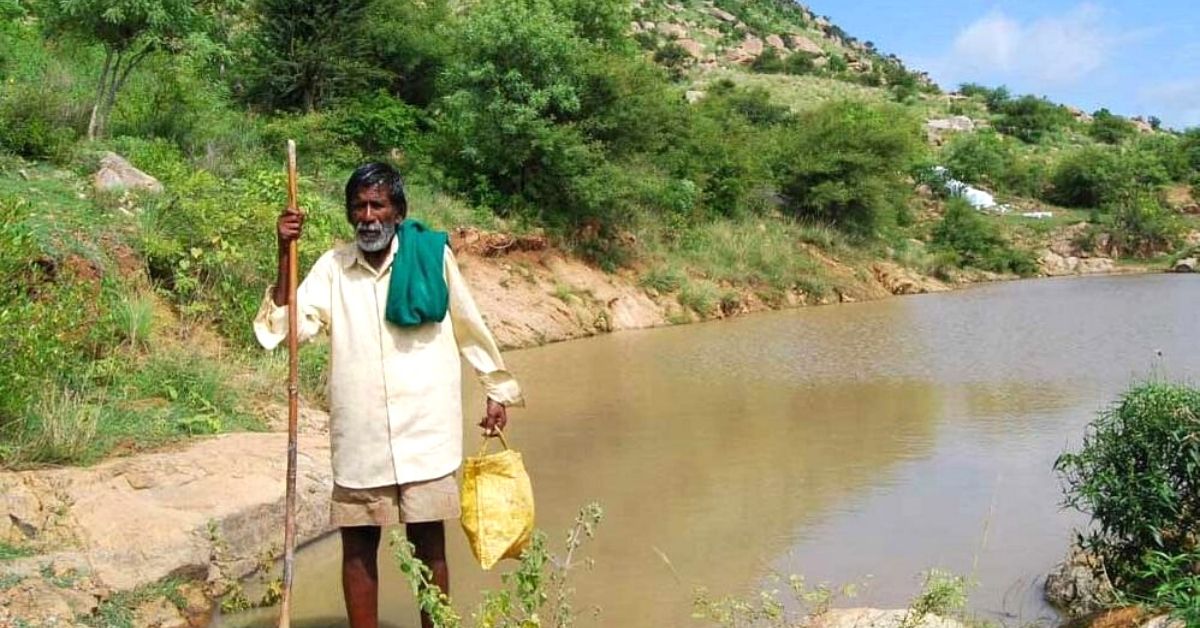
1137, 475
845, 164
1172, 584
378, 123
800, 63
308, 54
700, 296
980, 157
39, 121
673, 57
1109, 128
1189, 145
1088, 177
1163, 155
994, 98
770, 62
978, 243
43, 318
1141, 226
1031, 118
320, 146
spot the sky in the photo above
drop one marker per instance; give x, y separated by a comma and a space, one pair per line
1133, 58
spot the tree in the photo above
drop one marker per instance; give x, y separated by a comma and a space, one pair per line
307, 53
511, 106
1030, 118
845, 163
1110, 128
130, 31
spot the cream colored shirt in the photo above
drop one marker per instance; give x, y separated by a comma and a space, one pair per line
394, 392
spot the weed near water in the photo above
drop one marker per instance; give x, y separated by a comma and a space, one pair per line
537, 593
119, 610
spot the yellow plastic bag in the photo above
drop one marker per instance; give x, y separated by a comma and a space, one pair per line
497, 504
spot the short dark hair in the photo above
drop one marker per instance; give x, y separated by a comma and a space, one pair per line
376, 173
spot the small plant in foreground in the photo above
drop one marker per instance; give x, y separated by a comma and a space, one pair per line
537, 592
766, 608
1136, 473
1178, 584
943, 594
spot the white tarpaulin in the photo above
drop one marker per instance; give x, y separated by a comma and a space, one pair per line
977, 198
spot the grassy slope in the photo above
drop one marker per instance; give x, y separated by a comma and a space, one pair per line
160, 373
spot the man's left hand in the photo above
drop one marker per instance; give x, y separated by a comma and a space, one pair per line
496, 419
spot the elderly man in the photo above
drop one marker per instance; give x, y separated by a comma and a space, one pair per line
399, 315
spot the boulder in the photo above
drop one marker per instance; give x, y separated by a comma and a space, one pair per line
671, 29
1141, 124
118, 175
750, 49
693, 47
1096, 266
899, 280
158, 613
1164, 621
1078, 585
800, 43
142, 518
877, 618
724, 16
1185, 265
776, 42
693, 96
960, 124
753, 46
1055, 265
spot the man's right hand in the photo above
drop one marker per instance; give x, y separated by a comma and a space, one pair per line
287, 230
288, 227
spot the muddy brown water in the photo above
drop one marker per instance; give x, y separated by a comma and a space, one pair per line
859, 443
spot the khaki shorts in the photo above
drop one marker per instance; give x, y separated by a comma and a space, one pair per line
415, 502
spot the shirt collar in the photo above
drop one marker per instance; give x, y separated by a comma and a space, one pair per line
353, 255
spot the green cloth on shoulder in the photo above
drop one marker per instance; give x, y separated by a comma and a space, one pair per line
417, 293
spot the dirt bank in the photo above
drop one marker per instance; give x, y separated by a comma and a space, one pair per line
532, 294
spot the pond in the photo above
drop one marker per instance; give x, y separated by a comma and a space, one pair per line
858, 443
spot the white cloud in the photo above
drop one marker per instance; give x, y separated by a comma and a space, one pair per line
1176, 102
1046, 52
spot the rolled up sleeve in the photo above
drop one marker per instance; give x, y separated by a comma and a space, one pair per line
475, 340
313, 295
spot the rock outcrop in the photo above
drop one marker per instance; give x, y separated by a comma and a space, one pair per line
1078, 585
116, 174
877, 618
800, 43
1055, 265
897, 279
132, 521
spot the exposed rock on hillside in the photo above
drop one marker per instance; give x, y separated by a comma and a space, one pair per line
118, 175
800, 43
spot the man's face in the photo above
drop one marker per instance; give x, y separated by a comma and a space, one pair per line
374, 218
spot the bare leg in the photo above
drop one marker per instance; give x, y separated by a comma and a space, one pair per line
429, 545
360, 575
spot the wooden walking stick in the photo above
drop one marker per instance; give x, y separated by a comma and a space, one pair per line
289, 526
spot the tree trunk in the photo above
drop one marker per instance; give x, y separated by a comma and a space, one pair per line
92, 123
111, 82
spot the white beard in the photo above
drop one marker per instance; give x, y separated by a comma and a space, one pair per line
372, 240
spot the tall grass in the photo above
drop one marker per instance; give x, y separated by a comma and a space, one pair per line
60, 429
749, 253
